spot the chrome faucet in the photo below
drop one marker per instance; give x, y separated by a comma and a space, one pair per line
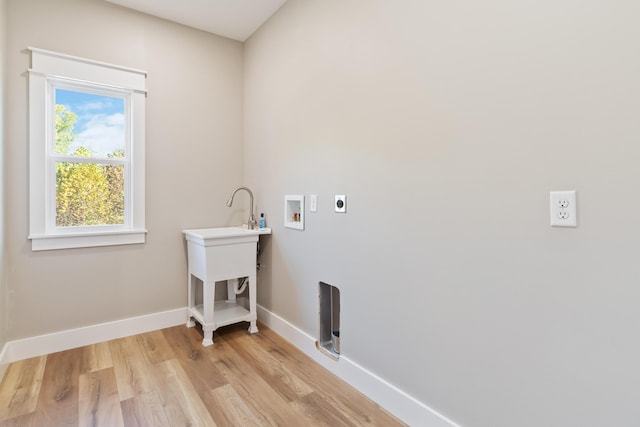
251, 223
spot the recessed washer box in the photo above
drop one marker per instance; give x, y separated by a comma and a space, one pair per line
294, 211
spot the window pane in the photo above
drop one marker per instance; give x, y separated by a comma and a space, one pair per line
89, 125
89, 194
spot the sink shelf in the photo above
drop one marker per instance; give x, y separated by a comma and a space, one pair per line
225, 313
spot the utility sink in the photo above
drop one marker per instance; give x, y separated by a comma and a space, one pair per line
223, 254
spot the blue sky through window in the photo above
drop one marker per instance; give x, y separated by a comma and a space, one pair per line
100, 124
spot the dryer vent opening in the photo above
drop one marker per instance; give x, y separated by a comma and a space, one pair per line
329, 340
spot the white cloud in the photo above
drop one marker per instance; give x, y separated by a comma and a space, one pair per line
102, 134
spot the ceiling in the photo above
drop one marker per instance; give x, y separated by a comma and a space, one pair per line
235, 19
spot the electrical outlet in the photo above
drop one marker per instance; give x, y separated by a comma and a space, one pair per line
341, 203
563, 209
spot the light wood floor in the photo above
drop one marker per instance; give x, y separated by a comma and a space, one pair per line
167, 378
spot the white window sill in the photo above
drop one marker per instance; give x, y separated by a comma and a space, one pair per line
86, 240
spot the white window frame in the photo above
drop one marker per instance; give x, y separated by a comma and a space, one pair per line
51, 70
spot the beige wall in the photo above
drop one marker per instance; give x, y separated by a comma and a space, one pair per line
446, 124
3, 293
193, 159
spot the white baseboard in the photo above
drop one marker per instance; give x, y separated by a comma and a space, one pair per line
65, 340
388, 396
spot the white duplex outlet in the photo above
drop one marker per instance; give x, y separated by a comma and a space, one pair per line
563, 209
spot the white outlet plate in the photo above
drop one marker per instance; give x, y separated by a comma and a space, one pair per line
563, 209
341, 203
313, 203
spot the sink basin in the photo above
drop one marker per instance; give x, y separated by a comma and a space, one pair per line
224, 235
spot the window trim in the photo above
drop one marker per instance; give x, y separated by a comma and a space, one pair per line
48, 67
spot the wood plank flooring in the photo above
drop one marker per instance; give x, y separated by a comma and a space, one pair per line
167, 378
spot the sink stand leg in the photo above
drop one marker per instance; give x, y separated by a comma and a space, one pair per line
208, 337
208, 299
253, 328
191, 301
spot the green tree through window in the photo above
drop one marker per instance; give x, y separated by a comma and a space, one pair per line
87, 193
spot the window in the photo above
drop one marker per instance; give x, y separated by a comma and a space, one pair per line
86, 152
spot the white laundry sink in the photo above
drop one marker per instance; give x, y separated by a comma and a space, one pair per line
217, 255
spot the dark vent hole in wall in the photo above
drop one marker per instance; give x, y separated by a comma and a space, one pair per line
329, 340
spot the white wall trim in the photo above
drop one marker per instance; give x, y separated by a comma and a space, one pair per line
72, 338
391, 398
